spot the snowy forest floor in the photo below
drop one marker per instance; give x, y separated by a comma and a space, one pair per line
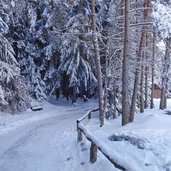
46, 140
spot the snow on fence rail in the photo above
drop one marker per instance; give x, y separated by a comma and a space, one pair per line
97, 144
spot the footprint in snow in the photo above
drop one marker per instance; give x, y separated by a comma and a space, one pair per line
83, 147
69, 158
82, 163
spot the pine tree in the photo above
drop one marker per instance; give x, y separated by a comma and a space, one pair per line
161, 16
34, 50
75, 67
13, 91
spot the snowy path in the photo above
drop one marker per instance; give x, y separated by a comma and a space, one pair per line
48, 144
46, 140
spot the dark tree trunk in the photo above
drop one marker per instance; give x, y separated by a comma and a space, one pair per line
125, 93
165, 76
57, 91
98, 63
142, 88
106, 79
162, 99
139, 55
152, 70
146, 88
74, 94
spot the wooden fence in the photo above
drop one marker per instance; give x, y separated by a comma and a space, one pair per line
95, 143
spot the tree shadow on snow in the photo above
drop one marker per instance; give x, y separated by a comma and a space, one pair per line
138, 142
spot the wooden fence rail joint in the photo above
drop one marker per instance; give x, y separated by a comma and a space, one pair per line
94, 145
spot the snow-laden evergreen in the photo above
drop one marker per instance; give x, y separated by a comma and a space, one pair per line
33, 47
13, 94
51, 42
76, 53
77, 50
162, 18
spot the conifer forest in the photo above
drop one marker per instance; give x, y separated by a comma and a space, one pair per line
115, 53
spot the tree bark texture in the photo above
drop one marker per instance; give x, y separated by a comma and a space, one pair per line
165, 76
142, 87
152, 73
98, 64
138, 68
93, 152
125, 93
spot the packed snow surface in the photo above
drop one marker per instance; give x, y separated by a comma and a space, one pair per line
46, 140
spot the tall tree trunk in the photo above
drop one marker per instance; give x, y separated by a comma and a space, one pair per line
137, 72
165, 99
125, 93
115, 105
106, 78
146, 75
137, 79
166, 65
98, 64
74, 94
122, 7
152, 70
135, 90
162, 99
146, 88
142, 87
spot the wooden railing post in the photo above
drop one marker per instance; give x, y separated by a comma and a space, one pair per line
93, 152
94, 144
80, 134
89, 115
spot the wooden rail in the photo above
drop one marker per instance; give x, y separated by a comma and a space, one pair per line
80, 132
97, 144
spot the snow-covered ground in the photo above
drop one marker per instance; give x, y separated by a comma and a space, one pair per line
46, 140
145, 143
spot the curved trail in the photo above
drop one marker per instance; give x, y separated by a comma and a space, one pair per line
48, 145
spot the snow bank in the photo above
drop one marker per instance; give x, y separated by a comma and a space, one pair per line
153, 128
